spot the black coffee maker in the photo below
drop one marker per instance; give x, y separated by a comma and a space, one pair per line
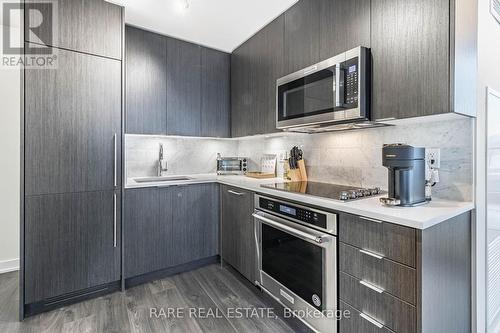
406, 166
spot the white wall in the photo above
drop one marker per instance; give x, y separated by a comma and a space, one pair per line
489, 75
9, 166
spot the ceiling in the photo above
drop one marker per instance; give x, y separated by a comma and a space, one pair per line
220, 24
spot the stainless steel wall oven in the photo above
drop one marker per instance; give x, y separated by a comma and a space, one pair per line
297, 258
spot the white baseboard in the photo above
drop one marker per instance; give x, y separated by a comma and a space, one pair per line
9, 266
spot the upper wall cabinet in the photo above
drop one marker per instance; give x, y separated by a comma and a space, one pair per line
89, 26
310, 31
316, 30
183, 88
175, 87
344, 25
411, 58
255, 67
146, 91
215, 96
302, 34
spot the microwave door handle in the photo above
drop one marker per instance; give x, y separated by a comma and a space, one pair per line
337, 85
317, 239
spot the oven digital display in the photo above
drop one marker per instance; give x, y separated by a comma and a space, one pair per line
352, 69
288, 210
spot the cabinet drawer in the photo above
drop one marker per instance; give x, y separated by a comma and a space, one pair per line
393, 278
390, 240
397, 315
357, 322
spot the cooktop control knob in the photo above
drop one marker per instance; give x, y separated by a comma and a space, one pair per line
344, 195
360, 193
366, 193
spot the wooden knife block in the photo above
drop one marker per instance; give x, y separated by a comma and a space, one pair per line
300, 174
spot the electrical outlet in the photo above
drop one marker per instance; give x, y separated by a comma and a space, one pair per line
433, 157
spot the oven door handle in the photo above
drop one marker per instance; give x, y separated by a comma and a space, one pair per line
284, 226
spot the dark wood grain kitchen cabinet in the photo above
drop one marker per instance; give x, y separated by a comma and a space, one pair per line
269, 68
393, 312
175, 87
195, 222
183, 88
396, 279
215, 93
146, 233
310, 31
72, 119
88, 26
316, 30
302, 34
354, 323
387, 239
411, 58
242, 96
385, 292
255, 67
146, 84
237, 231
70, 243
170, 226
344, 25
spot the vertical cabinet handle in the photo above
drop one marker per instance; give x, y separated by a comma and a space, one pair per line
114, 219
115, 182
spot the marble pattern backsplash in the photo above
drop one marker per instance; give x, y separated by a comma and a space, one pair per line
350, 157
184, 155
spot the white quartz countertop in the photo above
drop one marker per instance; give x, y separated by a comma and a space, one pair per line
421, 217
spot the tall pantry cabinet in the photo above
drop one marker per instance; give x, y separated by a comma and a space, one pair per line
72, 159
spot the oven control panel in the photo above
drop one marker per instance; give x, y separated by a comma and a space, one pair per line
308, 216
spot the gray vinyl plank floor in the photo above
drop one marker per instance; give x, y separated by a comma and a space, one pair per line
199, 301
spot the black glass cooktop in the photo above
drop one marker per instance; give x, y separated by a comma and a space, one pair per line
325, 190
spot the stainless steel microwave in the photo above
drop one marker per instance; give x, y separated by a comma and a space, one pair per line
334, 91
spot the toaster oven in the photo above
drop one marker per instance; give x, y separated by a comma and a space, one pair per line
231, 165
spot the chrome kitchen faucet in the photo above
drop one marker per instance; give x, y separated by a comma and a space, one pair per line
162, 164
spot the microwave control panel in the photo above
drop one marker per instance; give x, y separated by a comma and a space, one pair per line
351, 84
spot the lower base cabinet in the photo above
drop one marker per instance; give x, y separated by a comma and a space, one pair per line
72, 244
238, 243
170, 226
403, 280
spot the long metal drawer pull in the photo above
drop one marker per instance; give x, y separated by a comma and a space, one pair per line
114, 220
372, 254
371, 286
371, 320
301, 234
235, 193
369, 219
115, 160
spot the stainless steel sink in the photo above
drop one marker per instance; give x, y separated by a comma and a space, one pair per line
161, 179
